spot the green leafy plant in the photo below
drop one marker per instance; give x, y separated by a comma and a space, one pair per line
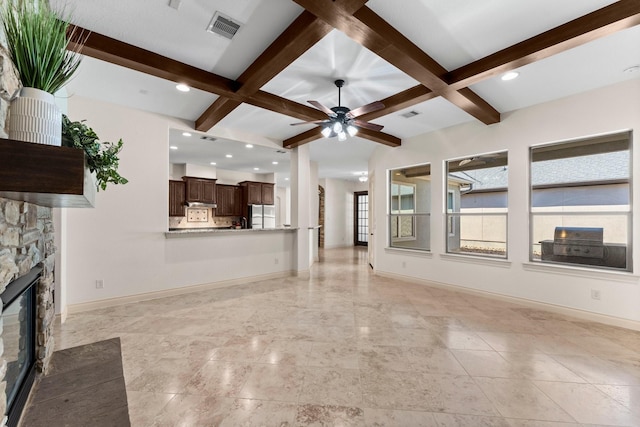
37, 41
102, 157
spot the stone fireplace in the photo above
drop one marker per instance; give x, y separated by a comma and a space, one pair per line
26, 242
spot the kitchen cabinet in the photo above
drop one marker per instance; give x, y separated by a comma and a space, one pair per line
257, 193
267, 194
201, 190
176, 198
253, 191
229, 200
237, 201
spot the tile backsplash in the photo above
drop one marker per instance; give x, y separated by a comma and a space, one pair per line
195, 218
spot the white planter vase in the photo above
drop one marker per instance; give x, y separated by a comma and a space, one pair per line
34, 117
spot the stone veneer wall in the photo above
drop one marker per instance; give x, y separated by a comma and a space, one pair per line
26, 239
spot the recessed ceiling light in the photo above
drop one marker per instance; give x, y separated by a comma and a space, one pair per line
286, 179
173, 147
183, 87
186, 134
213, 163
256, 169
228, 156
510, 75
274, 163
249, 145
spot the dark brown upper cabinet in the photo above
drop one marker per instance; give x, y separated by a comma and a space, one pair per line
257, 193
200, 190
176, 198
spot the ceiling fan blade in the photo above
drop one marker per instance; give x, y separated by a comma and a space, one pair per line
316, 122
357, 112
367, 125
322, 108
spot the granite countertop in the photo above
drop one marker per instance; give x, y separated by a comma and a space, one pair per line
186, 232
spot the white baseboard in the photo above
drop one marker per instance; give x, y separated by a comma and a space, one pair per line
110, 302
567, 311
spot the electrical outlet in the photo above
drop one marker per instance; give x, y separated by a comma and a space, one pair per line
99, 284
595, 294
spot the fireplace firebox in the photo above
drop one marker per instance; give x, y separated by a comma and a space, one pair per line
19, 336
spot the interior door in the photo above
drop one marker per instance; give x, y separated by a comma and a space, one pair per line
361, 218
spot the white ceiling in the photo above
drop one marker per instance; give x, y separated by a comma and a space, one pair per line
454, 33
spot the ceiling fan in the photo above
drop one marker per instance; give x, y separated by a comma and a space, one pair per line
342, 120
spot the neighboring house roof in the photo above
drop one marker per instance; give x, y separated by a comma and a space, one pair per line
574, 170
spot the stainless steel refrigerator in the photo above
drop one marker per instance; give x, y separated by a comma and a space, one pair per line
262, 216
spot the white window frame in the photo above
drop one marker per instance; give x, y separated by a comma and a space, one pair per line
450, 209
598, 139
401, 212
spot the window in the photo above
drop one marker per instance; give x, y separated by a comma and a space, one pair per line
403, 201
476, 214
581, 202
409, 207
451, 229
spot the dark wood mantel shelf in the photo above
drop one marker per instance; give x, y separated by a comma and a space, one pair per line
45, 175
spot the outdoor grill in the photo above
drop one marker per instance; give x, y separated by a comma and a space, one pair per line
579, 241
583, 245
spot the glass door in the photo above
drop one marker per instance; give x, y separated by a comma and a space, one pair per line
361, 218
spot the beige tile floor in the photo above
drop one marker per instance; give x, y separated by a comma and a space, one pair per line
347, 348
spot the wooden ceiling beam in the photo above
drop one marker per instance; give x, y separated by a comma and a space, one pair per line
602, 22
380, 137
217, 111
277, 104
305, 31
400, 101
303, 138
367, 28
120, 53
300, 36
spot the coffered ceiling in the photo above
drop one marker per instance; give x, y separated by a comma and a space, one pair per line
442, 60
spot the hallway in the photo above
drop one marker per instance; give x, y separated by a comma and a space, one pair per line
352, 349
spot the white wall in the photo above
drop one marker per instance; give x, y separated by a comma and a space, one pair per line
338, 211
604, 110
122, 240
281, 206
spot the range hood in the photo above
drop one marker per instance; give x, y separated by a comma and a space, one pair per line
200, 205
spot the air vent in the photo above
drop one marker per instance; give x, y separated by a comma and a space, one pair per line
281, 152
410, 114
223, 25
175, 4
208, 138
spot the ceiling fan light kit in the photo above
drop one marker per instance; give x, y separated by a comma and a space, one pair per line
342, 120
